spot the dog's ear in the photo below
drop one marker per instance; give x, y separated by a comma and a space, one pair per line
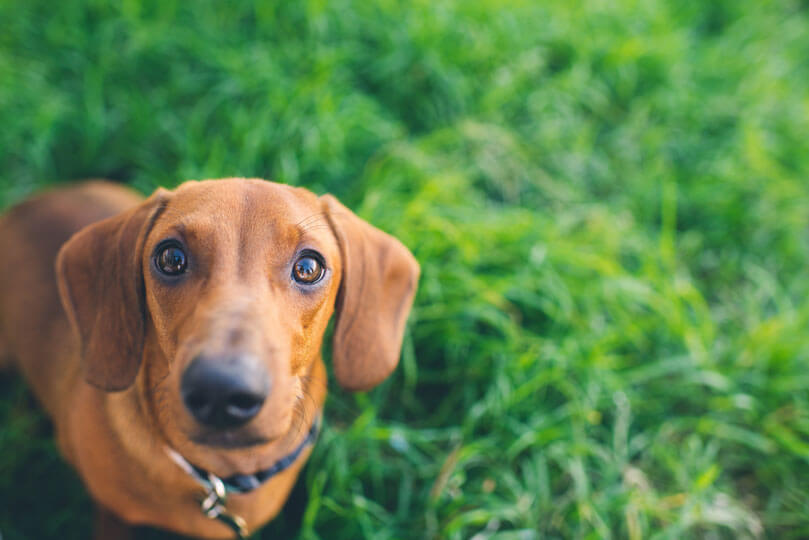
99, 271
379, 278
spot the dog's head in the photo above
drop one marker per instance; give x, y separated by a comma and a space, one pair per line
215, 298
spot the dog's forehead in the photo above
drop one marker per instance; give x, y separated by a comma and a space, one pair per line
246, 206
265, 200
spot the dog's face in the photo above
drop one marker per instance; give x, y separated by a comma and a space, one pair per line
214, 300
240, 283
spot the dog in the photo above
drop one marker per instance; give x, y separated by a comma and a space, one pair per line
175, 341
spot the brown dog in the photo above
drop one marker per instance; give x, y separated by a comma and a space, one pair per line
183, 361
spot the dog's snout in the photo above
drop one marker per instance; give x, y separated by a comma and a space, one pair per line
224, 391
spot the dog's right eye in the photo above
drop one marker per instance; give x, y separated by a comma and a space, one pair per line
171, 260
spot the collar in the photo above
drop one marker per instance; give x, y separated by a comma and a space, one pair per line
213, 503
245, 483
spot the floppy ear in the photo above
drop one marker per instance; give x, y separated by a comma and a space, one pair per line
101, 285
376, 291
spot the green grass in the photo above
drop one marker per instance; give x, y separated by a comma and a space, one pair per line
610, 202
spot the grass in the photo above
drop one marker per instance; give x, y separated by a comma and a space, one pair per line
609, 201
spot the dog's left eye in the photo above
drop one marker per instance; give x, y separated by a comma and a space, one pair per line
307, 270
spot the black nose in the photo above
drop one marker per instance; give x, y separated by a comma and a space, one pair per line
224, 392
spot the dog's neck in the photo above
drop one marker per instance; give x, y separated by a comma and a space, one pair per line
214, 503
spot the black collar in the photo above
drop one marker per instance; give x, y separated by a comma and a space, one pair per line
244, 483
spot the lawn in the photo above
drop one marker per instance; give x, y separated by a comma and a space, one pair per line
609, 200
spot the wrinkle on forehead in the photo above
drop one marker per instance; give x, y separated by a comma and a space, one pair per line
241, 205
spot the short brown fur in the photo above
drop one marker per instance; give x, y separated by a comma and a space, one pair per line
106, 360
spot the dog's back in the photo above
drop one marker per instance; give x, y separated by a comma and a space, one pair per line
33, 327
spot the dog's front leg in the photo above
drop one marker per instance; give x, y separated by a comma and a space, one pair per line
108, 526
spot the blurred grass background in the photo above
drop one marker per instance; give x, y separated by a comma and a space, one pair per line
609, 201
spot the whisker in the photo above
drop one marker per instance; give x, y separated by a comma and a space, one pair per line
311, 222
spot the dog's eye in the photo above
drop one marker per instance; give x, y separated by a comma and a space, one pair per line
171, 260
307, 270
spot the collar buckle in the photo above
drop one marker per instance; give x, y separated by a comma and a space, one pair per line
213, 506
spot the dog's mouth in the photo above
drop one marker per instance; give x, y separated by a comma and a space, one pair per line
229, 440
243, 483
